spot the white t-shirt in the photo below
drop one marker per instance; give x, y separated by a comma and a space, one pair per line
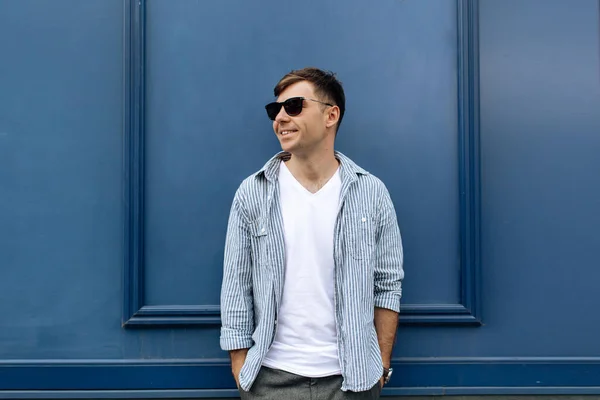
306, 340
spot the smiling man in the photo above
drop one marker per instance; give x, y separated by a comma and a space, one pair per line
313, 264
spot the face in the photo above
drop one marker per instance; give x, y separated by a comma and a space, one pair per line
310, 131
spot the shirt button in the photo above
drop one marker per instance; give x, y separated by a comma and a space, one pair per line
268, 197
364, 219
263, 230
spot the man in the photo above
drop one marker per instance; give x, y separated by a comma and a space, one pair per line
313, 260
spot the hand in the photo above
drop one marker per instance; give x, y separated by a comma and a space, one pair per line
382, 382
236, 375
238, 357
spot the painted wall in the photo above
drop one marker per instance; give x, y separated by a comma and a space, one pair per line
125, 128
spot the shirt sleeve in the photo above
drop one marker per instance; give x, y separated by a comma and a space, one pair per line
389, 257
237, 313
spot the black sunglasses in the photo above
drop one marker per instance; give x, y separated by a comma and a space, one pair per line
292, 106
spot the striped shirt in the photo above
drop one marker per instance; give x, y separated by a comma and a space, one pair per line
368, 271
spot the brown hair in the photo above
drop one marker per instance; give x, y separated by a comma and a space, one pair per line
327, 87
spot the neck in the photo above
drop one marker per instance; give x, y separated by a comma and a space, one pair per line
314, 169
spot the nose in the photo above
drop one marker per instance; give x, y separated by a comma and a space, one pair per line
282, 116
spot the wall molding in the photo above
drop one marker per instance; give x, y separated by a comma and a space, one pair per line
211, 377
551, 392
137, 314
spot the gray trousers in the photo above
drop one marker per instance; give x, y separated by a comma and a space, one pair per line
280, 385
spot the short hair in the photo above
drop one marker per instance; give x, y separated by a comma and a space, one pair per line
326, 85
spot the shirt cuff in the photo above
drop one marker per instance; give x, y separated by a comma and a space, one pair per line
234, 340
391, 301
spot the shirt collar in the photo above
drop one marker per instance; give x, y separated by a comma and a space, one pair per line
348, 169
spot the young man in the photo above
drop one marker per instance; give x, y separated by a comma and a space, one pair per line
313, 260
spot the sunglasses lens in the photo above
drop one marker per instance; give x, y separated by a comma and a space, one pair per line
273, 110
293, 106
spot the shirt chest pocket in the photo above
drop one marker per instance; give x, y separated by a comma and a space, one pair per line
259, 238
361, 234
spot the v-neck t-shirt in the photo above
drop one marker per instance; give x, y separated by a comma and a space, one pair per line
306, 339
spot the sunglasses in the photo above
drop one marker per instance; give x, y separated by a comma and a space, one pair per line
292, 106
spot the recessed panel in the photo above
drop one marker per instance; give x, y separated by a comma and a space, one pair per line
211, 67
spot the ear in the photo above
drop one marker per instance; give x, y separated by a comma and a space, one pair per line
333, 116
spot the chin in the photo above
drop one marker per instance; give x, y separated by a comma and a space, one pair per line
288, 147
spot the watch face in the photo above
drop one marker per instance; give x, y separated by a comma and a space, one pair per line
389, 375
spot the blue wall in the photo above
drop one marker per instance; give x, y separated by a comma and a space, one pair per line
125, 129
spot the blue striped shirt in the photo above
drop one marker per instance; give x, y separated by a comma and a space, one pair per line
368, 271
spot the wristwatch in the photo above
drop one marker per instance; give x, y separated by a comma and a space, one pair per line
387, 375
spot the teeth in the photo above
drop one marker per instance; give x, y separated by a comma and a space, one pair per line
286, 132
